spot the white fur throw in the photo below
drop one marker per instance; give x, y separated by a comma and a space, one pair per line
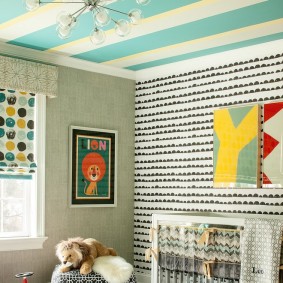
114, 269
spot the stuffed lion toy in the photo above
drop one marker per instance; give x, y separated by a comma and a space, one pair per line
80, 253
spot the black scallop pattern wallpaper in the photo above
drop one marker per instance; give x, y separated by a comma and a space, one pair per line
174, 142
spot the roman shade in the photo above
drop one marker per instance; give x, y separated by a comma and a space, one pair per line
20, 84
17, 136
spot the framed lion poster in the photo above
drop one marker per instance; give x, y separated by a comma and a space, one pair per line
93, 158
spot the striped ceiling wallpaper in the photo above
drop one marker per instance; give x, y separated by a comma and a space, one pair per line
171, 31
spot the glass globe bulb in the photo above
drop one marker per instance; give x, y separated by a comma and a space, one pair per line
102, 17
64, 32
97, 36
143, 2
122, 27
31, 5
65, 19
135, 16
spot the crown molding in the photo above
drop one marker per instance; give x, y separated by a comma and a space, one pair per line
61, 60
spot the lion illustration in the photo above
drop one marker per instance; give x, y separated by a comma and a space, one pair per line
93, 168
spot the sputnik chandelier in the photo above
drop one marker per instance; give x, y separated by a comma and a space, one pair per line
101, 17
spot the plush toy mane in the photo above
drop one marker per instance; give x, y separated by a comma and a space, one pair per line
76, 244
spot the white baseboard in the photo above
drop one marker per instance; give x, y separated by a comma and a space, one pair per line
142, 278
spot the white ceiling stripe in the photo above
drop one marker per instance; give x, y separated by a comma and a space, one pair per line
225, 38
180, 16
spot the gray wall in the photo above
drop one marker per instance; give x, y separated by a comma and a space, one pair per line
89, 100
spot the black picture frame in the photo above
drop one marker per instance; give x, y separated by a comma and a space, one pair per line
93, 170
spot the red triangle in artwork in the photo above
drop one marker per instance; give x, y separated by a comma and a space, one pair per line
269, 144
265, 179
272, 109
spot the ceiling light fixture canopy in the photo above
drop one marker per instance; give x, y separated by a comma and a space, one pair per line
101, 17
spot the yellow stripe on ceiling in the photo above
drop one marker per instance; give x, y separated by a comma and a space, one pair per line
180, 10
76, 42
147, 20
28, 15
72, 43
191, 42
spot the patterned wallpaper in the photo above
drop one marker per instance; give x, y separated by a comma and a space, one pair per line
174, 142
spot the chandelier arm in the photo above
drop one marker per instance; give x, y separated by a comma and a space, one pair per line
59, 2
111, 9
96, 5
80, 11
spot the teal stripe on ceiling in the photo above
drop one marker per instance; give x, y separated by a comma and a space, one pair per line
11, 9
47, 38
205, 52
251, 15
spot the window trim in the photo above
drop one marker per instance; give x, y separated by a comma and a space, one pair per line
37, 238
17, 244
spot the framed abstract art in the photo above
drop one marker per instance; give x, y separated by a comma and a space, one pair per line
236, 147
273, 145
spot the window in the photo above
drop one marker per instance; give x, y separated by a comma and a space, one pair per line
22, 190
15, 206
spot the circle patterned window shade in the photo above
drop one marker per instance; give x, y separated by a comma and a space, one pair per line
17, 133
